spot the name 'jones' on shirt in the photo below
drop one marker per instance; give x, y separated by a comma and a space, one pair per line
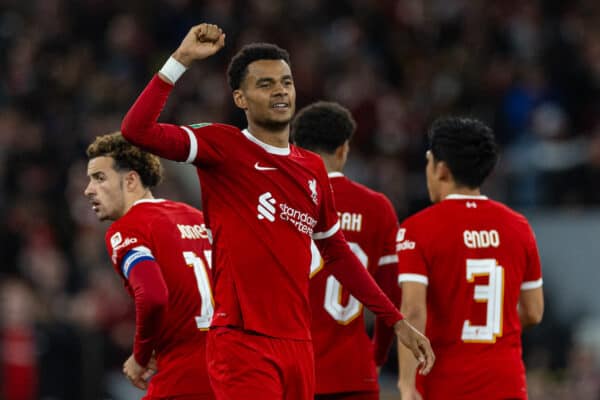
481, 239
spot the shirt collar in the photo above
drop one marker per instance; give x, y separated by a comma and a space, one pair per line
455, 196
280, 151
140, 201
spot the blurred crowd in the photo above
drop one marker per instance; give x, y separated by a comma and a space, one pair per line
71, 69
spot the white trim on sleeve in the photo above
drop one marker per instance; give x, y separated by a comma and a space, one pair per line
418, 278
193, 145
390, 259
329, 233
532, 284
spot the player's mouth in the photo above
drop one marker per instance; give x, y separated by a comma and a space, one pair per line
95, 205
280, 106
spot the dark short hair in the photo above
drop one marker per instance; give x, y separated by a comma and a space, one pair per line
238, 67
127, 157
467, 146
323, 126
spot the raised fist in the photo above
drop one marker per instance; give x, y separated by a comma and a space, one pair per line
201, 41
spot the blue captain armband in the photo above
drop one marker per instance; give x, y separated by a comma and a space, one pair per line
134, 257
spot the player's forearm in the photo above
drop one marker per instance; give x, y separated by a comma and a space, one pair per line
344, 265
151, 300
140, 125
407, 364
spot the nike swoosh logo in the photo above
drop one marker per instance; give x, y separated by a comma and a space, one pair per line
258, 167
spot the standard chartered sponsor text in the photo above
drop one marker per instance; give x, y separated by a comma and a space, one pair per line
303, 221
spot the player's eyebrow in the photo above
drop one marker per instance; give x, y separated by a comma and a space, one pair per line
96, 174
264, 80
271, 80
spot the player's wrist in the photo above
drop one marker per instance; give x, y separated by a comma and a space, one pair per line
173, 69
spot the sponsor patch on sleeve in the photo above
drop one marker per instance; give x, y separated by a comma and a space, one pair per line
116, 239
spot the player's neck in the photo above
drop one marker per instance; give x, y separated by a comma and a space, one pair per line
132, 198
332, 163
276, 138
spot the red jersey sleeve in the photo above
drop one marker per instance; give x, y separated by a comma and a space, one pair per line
130, 251
328, 223
532, 278
386, 277
198, 144
151, 298
412, 265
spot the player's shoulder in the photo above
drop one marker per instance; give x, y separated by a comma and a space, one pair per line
308, 158
213, 125
374, 198
186, 208
430, 213
213, 128
307, 155
125, 231
163, 211
510, 216
501, 207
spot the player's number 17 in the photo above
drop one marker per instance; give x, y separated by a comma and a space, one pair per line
200, 270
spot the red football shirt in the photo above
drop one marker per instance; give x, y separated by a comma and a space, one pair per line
344, 359
475, 256
174, 236
252, 198
263, 205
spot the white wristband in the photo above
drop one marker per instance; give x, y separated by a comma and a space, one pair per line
173, 70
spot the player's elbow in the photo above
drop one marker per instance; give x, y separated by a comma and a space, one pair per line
531, 307
127, 129
531, 316
531, 313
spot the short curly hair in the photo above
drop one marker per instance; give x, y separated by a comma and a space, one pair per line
323, 126
238, 66
127, 157
468, 147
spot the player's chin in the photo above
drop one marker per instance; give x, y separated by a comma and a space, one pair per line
101, 215
277, 123
282, 115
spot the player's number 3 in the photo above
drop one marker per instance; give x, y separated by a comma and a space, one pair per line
492, 294
200, 270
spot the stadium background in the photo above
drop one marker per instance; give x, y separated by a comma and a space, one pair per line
71, 68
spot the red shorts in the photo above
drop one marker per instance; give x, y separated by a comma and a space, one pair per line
371, 395
242, 365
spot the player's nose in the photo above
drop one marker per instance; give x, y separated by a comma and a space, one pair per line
87, 192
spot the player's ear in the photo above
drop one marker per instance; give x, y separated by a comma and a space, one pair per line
239, 99
132, 180
341, 153
443, 172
